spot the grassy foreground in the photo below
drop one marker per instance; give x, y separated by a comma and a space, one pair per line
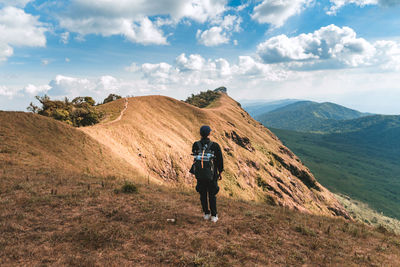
67, 219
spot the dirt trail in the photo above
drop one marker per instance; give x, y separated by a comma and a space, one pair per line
120, 115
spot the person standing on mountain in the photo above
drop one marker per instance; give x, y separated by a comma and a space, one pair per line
207, 167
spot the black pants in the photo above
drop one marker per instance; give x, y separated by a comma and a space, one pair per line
208, 191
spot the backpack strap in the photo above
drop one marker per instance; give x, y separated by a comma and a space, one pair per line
209, 146
199, 145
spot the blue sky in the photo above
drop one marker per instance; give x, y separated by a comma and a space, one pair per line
343, 51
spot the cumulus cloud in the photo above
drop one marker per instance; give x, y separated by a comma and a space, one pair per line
192, 63
337, 4
5, 91
276, 12
143, 31
16, 3
212, 37
220, 34
333, 45
68, 86
387, 55
18, 28
130, 18
6, 51
252, 69
194, 70
34, 90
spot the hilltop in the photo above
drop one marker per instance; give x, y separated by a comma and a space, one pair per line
156, 133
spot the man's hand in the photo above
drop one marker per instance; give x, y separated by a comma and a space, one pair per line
219, 176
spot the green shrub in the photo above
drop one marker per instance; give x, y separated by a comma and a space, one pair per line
203, 99
78, 112
127, 188
111, 97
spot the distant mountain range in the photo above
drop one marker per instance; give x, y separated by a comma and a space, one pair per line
255, 108
307, 116
349, 152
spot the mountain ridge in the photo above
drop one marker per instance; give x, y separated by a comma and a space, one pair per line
230, 124
308, 116
64, 198
153, 139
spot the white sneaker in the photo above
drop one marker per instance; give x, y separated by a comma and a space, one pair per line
207, 216
214, 219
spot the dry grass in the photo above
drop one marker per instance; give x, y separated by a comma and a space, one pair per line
62, 199
78, 220
363, 213
156, 133
111, 110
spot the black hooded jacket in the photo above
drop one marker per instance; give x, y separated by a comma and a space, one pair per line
218, 160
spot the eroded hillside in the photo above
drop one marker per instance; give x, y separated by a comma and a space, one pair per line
155, 135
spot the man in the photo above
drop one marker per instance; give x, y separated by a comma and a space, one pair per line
208, 188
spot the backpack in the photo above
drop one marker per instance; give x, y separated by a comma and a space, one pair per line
203, 166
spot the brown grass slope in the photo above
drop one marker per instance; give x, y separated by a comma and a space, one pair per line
61, 204
39, 145
156, 133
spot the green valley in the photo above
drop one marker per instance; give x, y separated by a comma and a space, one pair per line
361, 171
349, 152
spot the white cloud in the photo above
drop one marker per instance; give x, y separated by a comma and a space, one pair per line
34, 90
130, 18
212, 37
193, 63
160, 73
252, 69
145, 33
194, 70
18, 28
231, 23
132, 68
387, 55
68, 86
67, 60
338, 4
16, 3
5, 91
332, 46
276, 12
64, 37
220, 34
45, 62
6, 51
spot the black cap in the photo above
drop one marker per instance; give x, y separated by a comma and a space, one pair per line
205, 130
